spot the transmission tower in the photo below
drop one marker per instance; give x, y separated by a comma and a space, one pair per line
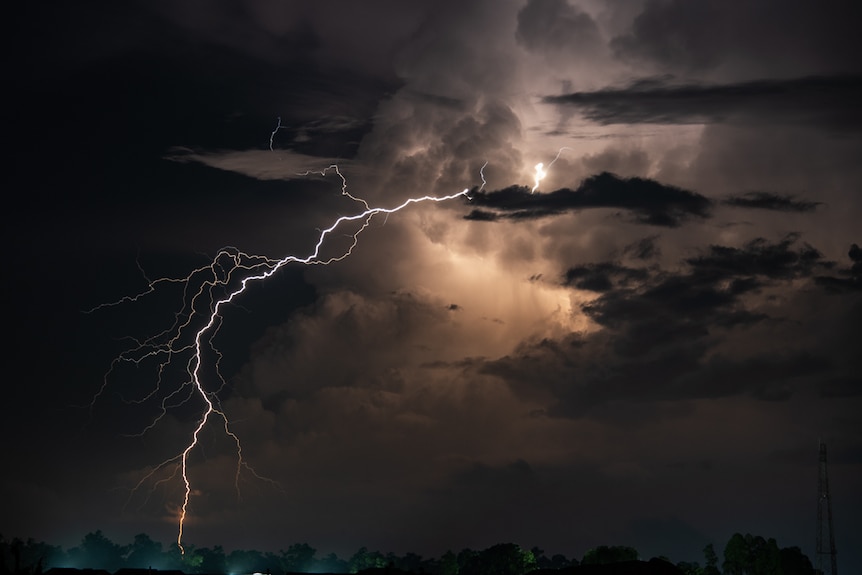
826, 564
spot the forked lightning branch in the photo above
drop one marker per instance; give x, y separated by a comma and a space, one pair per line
188, 341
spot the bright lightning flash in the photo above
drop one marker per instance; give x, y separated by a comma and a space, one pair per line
542, 171
540, 175
206, 291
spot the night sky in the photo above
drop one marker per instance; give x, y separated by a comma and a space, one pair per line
646, 351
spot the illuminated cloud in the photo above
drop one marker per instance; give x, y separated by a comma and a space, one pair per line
539, 368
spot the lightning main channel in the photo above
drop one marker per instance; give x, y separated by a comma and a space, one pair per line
206, 291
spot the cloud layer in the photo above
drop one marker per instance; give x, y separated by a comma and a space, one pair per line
673, 314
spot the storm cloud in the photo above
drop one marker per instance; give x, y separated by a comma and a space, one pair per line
821, 100
648, 201
673, 313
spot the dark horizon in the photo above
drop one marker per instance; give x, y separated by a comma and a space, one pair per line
748, 553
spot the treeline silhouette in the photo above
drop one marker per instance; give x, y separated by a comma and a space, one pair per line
743, 555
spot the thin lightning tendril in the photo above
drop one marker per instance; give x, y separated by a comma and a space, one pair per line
205, 292
274, 132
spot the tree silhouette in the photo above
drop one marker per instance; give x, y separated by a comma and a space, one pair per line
212, 560
711, 558
144, 552
500, 559
754, 555
558, 561
465, 558
27, 557
743, 555
604, 554
299, 557
690, 568
794, 562
411, 562
331, 564
248, 561
98, 552
448, 564
365, 559
736, 559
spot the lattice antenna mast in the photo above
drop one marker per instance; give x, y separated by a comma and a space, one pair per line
826, 563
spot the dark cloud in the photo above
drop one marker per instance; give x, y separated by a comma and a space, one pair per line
649, 201
595, 375
771, 201
842, 387
830, 101
850, 279
682, 34
773, 36
765, 377
855, 254
482, 216
435, 99
663, 331
759, 258
556, 26
602, 277
643, 249
668, 305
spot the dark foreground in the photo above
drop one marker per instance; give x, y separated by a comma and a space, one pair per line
651, 567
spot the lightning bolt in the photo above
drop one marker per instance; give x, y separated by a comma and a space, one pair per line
274, 132
540, 175
482, 175
206, 291
542, 171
